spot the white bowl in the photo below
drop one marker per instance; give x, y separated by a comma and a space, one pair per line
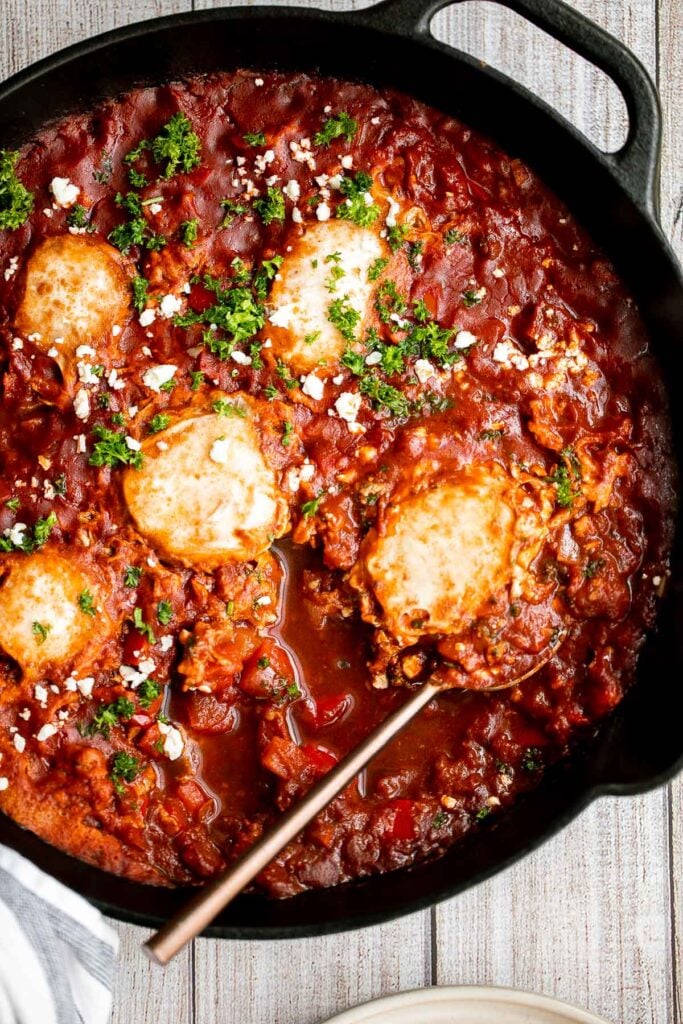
467, 1004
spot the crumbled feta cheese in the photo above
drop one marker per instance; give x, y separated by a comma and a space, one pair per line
296, 215
17, 344
423, 370
47, 213
16, 533
501, 352
219, 451
348, 405
258, 82
4, 783
241, 358
40, 693
80, 443
166, 643
157, 376
19, 743
48, 730
53, 352
347, 161
85, 686
307, 471
133, 677
173, 741
464, 339
113, 381
373, 359
82, 404
64, 192
116, 330
263, 601
25, 714
84, 350
155, 208
656, 580
132, 444
86, 375
322, 211
313, 387
147, 317
292, 189
394, 207
169, 306
498, 272
293, 480
11, 268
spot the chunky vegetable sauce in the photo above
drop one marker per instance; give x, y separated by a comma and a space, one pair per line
309, 393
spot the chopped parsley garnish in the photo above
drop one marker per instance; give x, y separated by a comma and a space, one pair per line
109, 715
566, 486
142, 626
344, 317
158, 422
164, 612
16, 202
439, 819
432, 342
132, 576
102, 174
335, 275
287, 431
532, 759
254, 138
77, 217
310, 508
482, 813
336, 126
263, 662
593, 567
377, 268
270, 391
139, 287
420, 311
492, 435
136, 230
231, 409
147, 692
32, 539
283, 372
177, 146
311, 337
266, 273
111, 449
136, 179
232, 209
118, 419
13, 504
356, 207
188, 231
384, 396
354, 362
136, 153
271, 206
104, 400
40, 632
453, 236
471, 298
197, 379
124, 768
415, 250
396, 236
389, 302
86, 602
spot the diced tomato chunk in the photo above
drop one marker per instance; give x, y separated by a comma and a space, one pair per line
200, 298
135, 647
327, 710
268, 674
207, 714
403, 826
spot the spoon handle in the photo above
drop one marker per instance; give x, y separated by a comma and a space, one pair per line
209, 901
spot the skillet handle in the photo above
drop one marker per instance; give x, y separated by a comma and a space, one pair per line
636, 164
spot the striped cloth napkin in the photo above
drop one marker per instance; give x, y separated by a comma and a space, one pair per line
57, 955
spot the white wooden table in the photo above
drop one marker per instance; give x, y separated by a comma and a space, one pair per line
596, 915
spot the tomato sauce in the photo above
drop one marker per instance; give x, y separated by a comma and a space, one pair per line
267, 676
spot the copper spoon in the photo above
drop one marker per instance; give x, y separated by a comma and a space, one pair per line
210, 900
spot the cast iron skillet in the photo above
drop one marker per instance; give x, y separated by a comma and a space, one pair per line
639, 746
